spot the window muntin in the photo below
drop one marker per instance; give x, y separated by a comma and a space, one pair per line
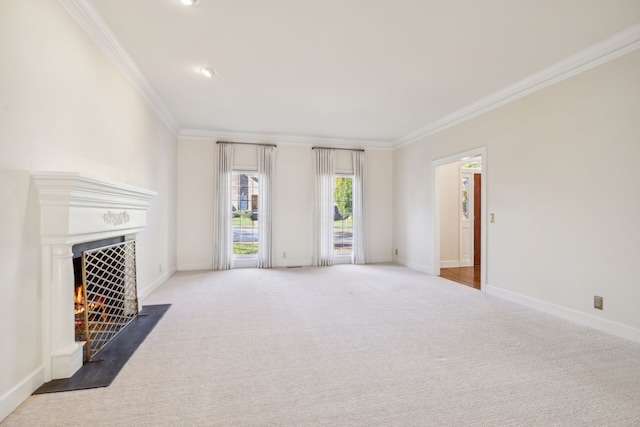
244, 205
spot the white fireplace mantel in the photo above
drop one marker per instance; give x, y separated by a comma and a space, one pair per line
75, 209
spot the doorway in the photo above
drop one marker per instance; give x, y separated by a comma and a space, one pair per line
459, 212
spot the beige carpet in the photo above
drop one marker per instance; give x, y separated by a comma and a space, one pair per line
378, 345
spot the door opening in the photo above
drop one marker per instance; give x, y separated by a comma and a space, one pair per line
459, 212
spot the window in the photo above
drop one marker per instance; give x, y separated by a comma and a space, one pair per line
343, 216
472, 165
464, 195
244, 206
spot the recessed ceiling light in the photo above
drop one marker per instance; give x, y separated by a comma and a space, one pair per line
189, 2
208, 72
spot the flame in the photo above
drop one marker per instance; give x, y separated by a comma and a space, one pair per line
98, 304
78, 299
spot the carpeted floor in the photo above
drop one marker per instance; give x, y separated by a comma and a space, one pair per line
378, 345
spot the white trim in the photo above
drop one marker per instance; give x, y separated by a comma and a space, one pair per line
91, 21
194, 267
245, 261
453, 263
18, 394
292, 262
261, 138
467, 237
585, 319
435, 211
413, 265
341, 259
144, 293
77, 190
607, 50
379, 260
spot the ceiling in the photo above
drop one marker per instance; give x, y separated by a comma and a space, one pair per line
371, 73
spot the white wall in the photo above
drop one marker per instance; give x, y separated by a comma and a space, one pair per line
449, 187
379, 203
293, 206
195, 204
292, 211
65, 107
561, 179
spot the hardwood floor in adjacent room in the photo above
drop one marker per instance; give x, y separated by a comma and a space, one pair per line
469, 276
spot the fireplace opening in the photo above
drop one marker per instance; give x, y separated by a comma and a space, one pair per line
105, 292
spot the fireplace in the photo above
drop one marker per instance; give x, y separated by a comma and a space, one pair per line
74, 211
105, 292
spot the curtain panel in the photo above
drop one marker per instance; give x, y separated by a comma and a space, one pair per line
358, 253
324, 166
223, 231
266, 170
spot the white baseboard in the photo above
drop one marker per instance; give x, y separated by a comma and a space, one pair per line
18, 394
413, 265
292, 262
379, 260
194, 267
454, 263
144, 293
604, 325
280, 262
245, 263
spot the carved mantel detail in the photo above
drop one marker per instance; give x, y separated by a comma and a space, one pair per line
116, 218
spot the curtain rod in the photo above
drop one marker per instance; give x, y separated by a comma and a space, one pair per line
346, 149
245, 143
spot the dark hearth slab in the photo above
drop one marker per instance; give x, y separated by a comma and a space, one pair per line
113, 356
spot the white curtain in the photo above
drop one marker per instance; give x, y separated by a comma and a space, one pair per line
358, 254
266, 167
324, 166
223, 231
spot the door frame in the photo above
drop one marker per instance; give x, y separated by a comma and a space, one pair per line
469, 237
435, 209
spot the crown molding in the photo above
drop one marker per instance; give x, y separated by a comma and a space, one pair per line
607, 50
90, 20
257, 138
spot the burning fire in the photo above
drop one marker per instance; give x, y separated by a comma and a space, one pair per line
78, 299
98, 304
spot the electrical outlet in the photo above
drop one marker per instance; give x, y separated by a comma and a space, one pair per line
160, 269
597, 302
492, 217
396, 252
284, 254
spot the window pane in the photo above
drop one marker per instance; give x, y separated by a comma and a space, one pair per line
244, 204
343, 216
464, 194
